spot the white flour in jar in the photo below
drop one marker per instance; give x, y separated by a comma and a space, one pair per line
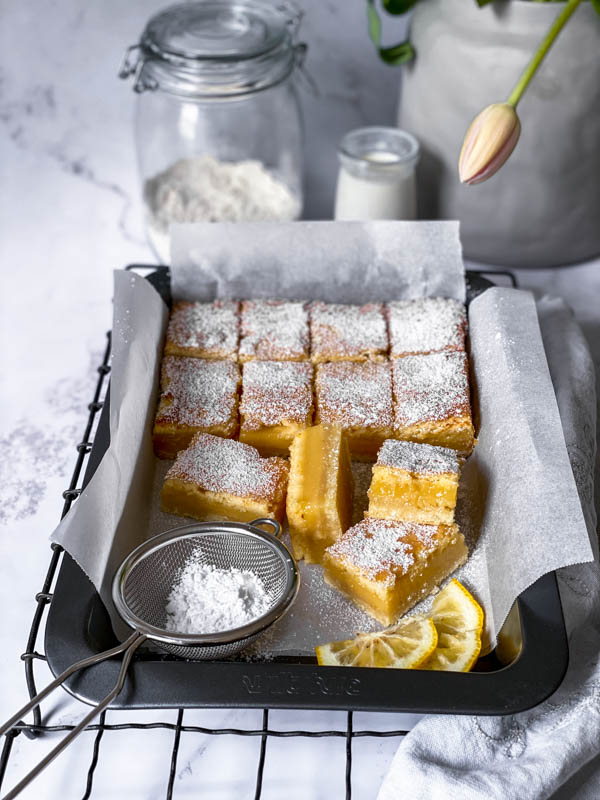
207, 599
204, 189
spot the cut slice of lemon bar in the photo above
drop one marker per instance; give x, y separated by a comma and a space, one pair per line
319, 499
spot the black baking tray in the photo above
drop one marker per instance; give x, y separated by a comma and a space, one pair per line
78, 626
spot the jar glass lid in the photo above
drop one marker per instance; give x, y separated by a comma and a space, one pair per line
216, 47
215, 30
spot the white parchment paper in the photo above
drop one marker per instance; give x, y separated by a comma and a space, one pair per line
518, 505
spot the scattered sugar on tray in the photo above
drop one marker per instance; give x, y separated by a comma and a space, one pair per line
275, 392
273, 329
207, 599
426, 325
355, 394
213, 327
225, 465
419, 458
376, 546
346, 331
202, 392
430, 387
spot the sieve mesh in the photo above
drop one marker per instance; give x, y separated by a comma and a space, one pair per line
147, 582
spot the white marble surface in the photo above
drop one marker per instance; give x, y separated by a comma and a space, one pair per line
70, 213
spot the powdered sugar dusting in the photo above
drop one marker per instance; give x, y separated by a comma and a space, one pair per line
418, 458
225, 465
426, 325
273, 330
430, 387
351, 332
382, 548
211, 328
207, 599
275, 393
354, 394
202, 393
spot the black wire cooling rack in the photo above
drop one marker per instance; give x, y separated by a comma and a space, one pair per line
40, 727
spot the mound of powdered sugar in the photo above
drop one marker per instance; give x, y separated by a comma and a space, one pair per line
206, 599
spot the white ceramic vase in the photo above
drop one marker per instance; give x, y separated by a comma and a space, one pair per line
543, 207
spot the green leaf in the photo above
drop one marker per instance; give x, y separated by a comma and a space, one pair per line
374, 24
398, 54
596, 4
482, 3
398, 6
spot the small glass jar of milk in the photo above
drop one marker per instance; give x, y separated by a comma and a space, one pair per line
377, 175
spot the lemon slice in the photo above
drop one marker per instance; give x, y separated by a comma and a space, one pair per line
458, 618
404, 646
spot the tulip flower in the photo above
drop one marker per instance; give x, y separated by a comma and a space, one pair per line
490, 140
494, 132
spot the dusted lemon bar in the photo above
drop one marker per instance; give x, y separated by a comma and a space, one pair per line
203, 330
273, 330
386, 567
219, 478
347, 333
427, 325
319, 499
431, 400
277, 402
358, 398
197, 395
414, 483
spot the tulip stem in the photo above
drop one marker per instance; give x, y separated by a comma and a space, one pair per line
537, 59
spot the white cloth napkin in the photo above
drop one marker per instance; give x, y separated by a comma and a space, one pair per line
553, 750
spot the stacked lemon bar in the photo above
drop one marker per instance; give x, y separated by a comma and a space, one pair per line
265, 403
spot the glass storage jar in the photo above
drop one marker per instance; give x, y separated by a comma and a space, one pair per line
217, 126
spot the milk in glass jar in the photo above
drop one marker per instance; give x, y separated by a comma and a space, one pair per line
217, 125
377, 175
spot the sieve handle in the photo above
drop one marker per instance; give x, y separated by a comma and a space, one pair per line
128, 647
271, 523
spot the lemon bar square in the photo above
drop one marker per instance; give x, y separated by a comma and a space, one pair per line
203, 330
386, 567
414, 482
357, 396
347, 333
197, 395
277, 402
319, 498
273, 330
431, 400
426, 325
216, 478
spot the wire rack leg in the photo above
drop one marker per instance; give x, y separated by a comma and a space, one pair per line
95, 753
262, 754
174, 754
349, 735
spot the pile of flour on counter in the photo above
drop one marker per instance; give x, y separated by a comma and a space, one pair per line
206, 599
204, 189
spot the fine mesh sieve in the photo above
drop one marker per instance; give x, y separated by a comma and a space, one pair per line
144, 581
140, 592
